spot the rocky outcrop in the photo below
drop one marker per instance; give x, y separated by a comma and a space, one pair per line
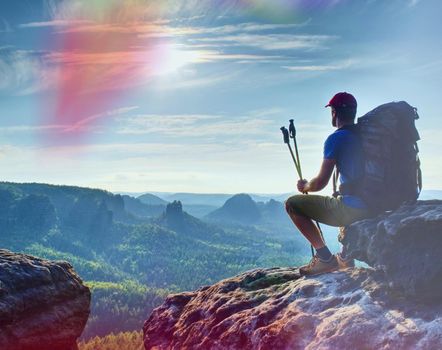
406, 245
278, 309
360, 308
43, 305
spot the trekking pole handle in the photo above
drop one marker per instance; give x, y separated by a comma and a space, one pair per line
285, 134
292, 129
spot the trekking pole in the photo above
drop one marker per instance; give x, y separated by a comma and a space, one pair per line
286, 136
292, 131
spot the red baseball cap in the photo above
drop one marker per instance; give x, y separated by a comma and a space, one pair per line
342, 99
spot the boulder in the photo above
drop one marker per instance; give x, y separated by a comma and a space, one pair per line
43, 304
278, 309
405, 244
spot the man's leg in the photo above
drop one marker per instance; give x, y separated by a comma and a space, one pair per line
324, 260
310, 231
307, 228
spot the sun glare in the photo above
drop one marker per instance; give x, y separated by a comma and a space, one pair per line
174, 59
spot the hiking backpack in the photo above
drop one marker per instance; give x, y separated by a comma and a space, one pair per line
392, 174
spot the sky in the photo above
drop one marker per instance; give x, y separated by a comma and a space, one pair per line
189, 96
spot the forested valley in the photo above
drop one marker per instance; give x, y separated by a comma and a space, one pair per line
132, 254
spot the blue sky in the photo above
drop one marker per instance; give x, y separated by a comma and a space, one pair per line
206, 85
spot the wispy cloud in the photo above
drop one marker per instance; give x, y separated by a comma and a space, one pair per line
24, 72
320, 68
81, 124
194, 81
55, 23
19, 129
87, 123
171, 30
272, 41
194, 125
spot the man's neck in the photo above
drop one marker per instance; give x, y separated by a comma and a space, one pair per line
340, 124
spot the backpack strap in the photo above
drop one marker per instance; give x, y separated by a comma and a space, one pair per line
419, 171
335, 182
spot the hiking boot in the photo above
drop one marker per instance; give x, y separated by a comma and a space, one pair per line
344, 263
316, 266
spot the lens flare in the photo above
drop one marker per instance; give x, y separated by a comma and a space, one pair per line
101, 49
99, 56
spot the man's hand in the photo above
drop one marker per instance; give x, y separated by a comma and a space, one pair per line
319, 182
302, 186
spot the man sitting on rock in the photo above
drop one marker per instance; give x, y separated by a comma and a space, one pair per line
343, 150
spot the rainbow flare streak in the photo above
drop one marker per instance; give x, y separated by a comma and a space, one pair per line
98, 57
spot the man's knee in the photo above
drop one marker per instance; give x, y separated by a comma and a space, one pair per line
292, 206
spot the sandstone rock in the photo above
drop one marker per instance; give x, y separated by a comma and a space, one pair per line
277, 309
352, 309
406, 245
43, 305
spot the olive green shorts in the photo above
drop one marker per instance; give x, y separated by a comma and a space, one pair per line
328, 210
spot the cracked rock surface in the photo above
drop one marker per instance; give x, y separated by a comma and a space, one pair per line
43, 304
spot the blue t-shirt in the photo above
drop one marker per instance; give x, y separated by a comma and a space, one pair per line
344, 146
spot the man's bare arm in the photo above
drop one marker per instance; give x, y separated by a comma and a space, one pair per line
321, 180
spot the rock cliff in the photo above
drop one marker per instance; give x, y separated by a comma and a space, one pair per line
406, 245
360, 308
43, 305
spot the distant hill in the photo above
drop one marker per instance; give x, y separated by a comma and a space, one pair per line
213, 199
138, 208
240, 208
216, 199
156, 203
279, 197
272, 211
199, 210
151, 199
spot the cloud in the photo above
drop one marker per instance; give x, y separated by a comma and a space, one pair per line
193, 82
15, 129
81, 124
171, 30
54, 23
131, 44
272, 41
157, 28
128, 47
195, 126
320, 68
88, 122
24, 72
